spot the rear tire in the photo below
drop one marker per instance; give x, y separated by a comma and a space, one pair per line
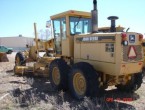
20, 59
133, 85
83, 81
58, 71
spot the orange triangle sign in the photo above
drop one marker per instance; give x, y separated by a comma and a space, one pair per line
132, 52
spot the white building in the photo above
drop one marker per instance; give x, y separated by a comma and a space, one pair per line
18, 43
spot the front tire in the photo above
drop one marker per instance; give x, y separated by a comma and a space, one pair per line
58, 71
132, 85
20, 59
83, 81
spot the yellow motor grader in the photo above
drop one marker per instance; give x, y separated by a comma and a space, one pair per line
88, 59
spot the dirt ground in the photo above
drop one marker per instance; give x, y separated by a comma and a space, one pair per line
21, 93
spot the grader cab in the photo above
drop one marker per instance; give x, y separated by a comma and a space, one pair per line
88, 59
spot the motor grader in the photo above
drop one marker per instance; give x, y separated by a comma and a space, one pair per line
88, 59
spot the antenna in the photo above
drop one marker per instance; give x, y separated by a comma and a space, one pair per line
127, 29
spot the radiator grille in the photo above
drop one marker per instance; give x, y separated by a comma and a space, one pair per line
138, 50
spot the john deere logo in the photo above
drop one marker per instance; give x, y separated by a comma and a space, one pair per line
132, 38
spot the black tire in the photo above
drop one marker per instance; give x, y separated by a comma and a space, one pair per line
20, 59
143, 72
91, 78
63, 68
133, 85
9, 52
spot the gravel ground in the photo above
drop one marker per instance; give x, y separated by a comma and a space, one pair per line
21, 94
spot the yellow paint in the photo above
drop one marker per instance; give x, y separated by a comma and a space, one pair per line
79, 83
56, 75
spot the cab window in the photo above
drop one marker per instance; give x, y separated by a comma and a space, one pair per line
79, 25
59, 26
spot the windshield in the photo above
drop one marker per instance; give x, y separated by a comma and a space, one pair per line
79, 25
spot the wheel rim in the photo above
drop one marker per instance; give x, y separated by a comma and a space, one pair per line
17, 61
79, 83
56, 76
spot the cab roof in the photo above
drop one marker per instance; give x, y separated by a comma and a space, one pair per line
72, 13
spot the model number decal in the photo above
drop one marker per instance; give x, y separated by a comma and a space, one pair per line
95, 38
90, 39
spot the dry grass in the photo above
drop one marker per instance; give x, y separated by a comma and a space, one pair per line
37, 94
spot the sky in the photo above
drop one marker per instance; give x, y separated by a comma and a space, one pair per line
17, 16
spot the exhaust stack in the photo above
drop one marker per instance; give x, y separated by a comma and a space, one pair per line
113, 25
94, 16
